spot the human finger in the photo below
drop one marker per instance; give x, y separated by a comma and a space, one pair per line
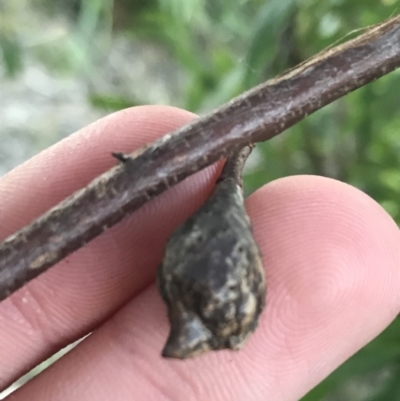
332, 260
73, 297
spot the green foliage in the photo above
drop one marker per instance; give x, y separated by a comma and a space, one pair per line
111, 102
12, 56
222, 48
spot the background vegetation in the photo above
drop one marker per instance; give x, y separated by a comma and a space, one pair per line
197, 54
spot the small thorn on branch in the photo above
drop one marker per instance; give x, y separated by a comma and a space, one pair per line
122, 157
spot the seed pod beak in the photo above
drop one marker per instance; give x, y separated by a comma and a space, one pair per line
188, 338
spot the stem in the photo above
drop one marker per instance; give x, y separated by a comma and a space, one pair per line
256, 115
233, 168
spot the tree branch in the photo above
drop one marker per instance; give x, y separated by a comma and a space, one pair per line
256, 115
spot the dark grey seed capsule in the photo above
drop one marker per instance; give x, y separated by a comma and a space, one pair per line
212, 278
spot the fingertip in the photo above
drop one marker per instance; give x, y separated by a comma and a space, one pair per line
331, 255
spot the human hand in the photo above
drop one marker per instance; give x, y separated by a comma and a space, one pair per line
330, 252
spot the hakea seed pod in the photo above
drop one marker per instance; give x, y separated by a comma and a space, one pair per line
212, 278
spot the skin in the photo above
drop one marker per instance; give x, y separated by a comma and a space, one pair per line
332, 263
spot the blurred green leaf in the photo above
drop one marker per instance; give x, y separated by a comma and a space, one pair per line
12, 54
391, 390
111, 102
264, 46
